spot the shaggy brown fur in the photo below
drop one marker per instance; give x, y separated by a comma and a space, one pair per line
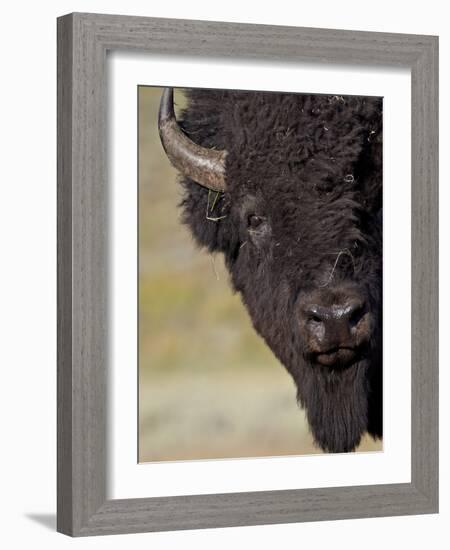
309, 167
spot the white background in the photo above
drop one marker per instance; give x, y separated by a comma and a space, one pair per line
28, 299
131, 480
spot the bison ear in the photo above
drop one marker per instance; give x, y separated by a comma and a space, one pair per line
208, 215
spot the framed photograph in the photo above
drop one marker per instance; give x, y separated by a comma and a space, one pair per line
247, 274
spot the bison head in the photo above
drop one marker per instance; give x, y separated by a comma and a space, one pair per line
288, 188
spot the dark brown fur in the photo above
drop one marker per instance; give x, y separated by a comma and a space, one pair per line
311, 167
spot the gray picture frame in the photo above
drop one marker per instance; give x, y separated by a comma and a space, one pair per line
83, 42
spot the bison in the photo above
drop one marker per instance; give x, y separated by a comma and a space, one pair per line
288, 187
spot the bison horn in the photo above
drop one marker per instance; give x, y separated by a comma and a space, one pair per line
205, 166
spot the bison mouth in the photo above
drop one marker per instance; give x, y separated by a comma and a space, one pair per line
338, 356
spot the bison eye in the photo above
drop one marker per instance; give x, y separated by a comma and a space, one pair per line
255, 221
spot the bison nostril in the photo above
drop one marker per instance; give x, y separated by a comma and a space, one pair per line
349, 313
314, 318
356, 315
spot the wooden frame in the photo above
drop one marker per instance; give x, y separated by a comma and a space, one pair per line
83, 40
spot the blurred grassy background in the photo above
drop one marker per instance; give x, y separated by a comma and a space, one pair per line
208, 385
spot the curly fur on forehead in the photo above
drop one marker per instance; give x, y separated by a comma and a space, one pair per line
288, 148
325, 134
311, 167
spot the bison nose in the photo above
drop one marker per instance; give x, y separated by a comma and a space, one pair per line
332, 329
